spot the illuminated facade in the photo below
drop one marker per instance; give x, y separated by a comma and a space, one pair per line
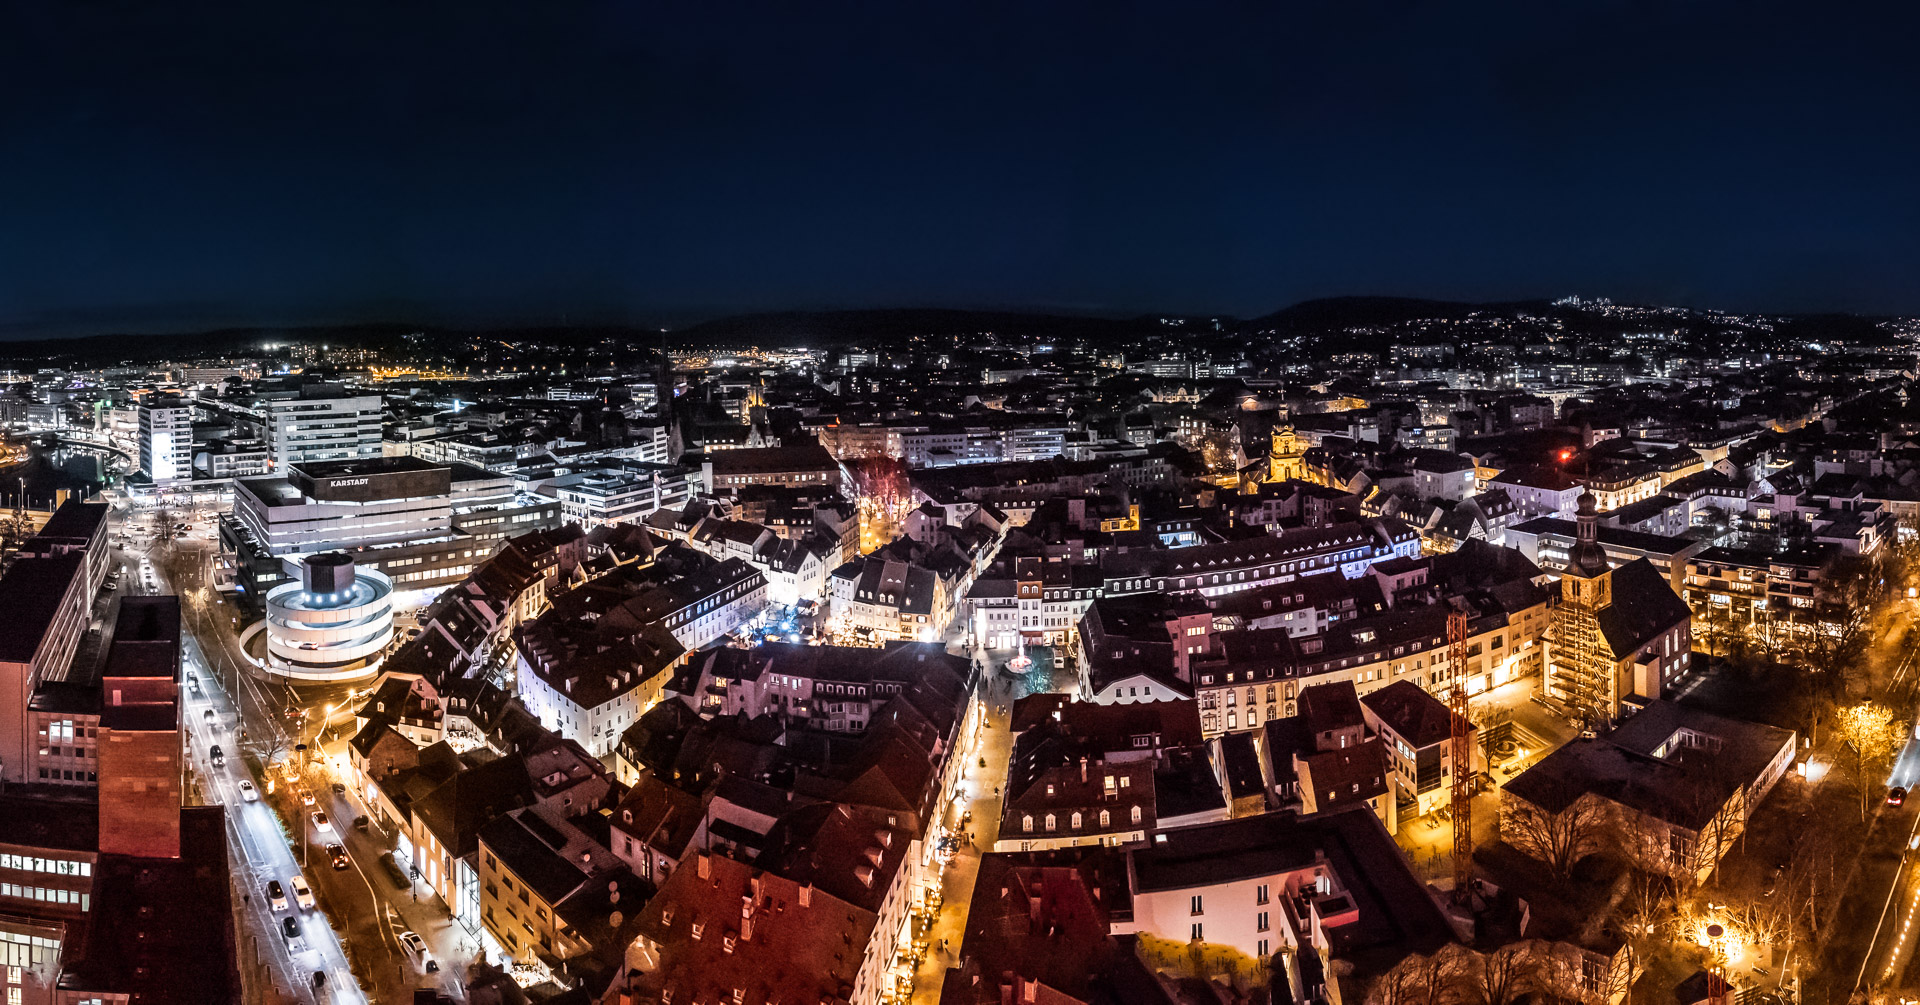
1286, 455
334, 624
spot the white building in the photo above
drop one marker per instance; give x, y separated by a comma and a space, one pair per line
314, 428
166, 441
620, 495
1539, 491
1280, 887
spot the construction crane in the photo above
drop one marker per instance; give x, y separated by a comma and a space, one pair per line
1457, 631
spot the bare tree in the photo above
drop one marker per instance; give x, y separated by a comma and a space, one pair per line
1715, 794
1560, 838
1843, 630
1506, 975
1420, 980
1637, 917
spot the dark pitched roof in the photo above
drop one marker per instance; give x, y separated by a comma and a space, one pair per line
1347, 775
461, 806
1420, 718
1644, 605
1330, 706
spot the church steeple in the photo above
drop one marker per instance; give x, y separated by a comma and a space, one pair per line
1587, 559
1285, 454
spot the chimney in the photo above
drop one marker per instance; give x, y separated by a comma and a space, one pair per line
705, 866
1083, 769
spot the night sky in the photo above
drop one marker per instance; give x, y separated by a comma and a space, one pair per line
280, 164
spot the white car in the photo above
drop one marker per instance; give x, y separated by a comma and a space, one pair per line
417, 946
302, 893
321, 825
248, 792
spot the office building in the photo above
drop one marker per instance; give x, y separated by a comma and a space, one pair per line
75, 527
320, 424
46, 604
626, 494
85, 875
166, 441
423, 525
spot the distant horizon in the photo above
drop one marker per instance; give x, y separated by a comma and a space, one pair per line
76, 326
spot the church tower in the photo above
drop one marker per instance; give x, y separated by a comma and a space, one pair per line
1583, 675
1286, 456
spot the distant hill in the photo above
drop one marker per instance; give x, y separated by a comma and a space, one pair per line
1335, 313
1327, 323
827, 327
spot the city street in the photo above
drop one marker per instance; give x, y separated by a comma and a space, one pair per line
950, 924
354, 907
275, 967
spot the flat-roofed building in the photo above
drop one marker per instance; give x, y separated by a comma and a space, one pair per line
1549, 541
75, 527
1296, 890
421, 524
315, 424
806, 464
46, 601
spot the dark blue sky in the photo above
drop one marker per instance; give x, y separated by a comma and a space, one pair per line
641, 162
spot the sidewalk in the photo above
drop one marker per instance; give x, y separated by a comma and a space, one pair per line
956, 888
420, 910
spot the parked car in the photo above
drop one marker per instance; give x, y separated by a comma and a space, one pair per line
276, 895
417, 946
302, 893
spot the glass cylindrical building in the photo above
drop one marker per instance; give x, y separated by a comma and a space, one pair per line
333, 624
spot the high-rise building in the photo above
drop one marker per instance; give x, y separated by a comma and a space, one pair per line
321, 424
114, 894
138, 746
46, 604
166, 441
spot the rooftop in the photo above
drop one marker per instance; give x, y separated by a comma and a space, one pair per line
31, 593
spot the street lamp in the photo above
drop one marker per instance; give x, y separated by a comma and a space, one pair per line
305, 817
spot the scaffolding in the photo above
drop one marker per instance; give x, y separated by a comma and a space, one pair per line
1581, 674
1457, 631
